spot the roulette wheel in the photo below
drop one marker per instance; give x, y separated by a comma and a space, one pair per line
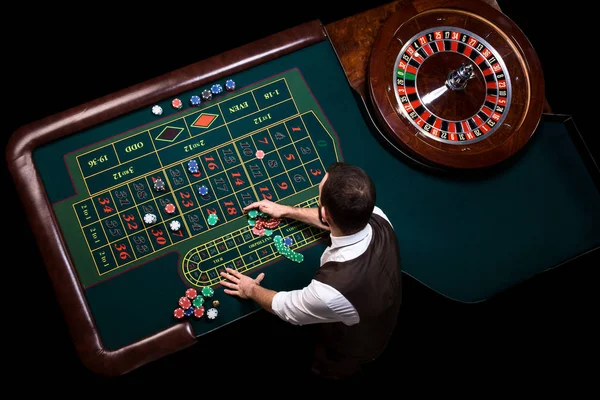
456, 86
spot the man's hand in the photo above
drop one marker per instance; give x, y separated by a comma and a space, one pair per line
240, 285
270, 208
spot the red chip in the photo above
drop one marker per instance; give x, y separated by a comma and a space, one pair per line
179, 313
258, 231
260, 154
176, 103
170, 208
199, 312
191, 293
185, 303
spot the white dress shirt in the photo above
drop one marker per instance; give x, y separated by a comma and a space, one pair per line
319, 302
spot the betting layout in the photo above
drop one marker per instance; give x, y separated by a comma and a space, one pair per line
181, 182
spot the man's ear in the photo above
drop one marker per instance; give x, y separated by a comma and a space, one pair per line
324, 215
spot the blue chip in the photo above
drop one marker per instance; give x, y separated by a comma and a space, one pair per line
216, 88
203, 190
229, 84
287, 241
195, 100
189, 311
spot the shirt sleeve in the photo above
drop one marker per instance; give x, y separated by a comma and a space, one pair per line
316, 303
379, 212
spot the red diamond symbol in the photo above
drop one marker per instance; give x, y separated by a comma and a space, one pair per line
204, 120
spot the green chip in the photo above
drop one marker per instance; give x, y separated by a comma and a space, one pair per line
198, 301
277, 239
207, 291
268, 232
251, 222
212, 219
252, 213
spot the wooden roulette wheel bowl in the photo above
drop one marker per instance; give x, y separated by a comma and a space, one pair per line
457, 86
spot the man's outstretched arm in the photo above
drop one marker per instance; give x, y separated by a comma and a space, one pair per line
307, 215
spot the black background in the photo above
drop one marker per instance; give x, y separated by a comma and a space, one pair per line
57, 58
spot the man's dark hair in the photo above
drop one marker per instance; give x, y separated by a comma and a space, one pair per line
349, 196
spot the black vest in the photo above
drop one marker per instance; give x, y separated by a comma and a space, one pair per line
372, 282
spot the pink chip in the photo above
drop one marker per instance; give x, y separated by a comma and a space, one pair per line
258, 231
260, 154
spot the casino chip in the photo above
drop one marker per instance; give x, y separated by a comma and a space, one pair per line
170, 208
195, 101
198, 312
175, 225
212, 219
198, 301
177, 104
191, 293
216, 89
207, 291
212, 313
150, 218
189, 311
193, 166
203, 190
185, 303
206, 95
179, 313
157, 110
159, 185
287, 241
260, 154
230, 84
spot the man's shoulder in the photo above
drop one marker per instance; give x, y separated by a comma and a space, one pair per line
379, 211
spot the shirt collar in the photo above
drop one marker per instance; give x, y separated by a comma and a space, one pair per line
341, 241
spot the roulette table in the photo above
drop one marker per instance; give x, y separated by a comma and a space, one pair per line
441, 102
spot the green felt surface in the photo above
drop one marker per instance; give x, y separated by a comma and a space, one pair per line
466, 239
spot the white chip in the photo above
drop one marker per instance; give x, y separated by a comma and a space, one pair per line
175, 225
149, 218
157, 110
212, 313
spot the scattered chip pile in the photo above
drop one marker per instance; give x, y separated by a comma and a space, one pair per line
263, 224
283, 247
193, 304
